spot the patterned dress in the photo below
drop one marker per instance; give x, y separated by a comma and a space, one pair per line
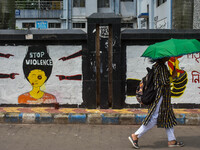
166, 117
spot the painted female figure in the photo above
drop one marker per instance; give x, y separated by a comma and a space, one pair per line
37, 67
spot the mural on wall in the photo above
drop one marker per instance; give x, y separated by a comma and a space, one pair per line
179, 84
37, 67
5, 55
3, 75
41, 74
72, 77
11, 76
195, 74
184, 88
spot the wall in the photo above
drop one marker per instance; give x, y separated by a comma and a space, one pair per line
182, 14
196, 14
185, 93
66, 91
161, 13
190, 64
128, 9
72, 68
20, 21
7, 11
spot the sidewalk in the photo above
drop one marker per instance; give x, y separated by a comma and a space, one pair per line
128, 116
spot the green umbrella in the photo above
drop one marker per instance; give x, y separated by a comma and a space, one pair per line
172, 48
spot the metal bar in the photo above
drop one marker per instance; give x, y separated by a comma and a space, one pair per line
110, 57
40, 5
97, 66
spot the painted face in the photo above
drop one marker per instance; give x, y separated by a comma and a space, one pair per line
37, 78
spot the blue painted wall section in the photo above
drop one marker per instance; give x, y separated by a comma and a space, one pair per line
181, 119
11, 118
77, 118
110, 119
139, 118
43, 119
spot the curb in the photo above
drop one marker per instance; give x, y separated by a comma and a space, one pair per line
90, 118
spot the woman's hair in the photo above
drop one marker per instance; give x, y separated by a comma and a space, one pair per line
37, 58
155, 60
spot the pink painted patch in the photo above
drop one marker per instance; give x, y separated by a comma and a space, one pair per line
81, 111
2, 110
108, 111
26, 110
195, 111
137, 111
53, 110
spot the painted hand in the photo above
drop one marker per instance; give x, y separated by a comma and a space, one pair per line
8, 55
63, 58
12, 75
61, 77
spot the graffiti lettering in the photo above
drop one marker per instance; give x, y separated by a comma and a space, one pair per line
196, 56
104, 31
195, 76
47, 62
36, 54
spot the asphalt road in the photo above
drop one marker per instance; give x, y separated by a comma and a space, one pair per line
89, 137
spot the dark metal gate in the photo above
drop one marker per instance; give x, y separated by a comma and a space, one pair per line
104, 51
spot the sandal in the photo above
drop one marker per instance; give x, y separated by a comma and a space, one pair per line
134, 142
176, 144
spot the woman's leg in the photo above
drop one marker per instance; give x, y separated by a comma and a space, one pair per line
153, 121
170, 134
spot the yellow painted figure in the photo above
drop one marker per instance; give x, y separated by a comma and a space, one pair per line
37, 73
36, 96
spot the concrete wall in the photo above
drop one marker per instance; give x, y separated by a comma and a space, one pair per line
20, 21
128, 9
182, 14
72, 72
190, 64
7, 14
196, 14
159, 16
64, 91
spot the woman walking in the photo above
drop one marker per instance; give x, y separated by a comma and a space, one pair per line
160, 111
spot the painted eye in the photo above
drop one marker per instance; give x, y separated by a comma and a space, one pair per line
39, 77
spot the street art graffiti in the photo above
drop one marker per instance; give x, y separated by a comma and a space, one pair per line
53, 72
74, 77
71, 77
11, 76
37, 67
195, 77
195, 56
77, 54
3, 75
178, 85
5, 55
194, 73
184, 89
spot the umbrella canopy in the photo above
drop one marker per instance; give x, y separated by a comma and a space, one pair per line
172, 48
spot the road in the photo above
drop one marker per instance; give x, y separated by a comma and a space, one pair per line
89, 137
